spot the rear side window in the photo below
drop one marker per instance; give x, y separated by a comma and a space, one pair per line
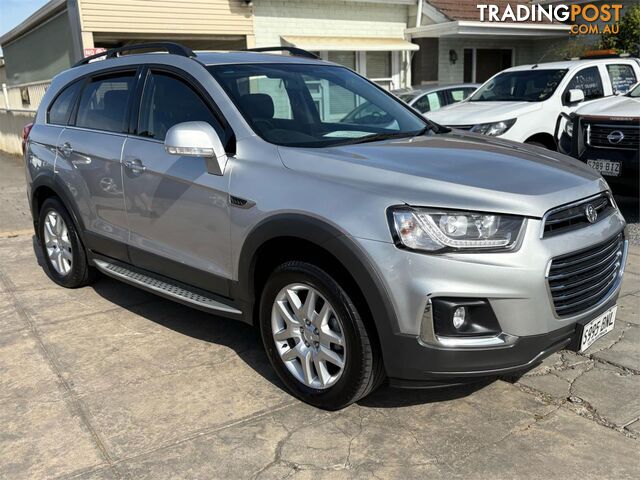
167, 101
61, 107
459, 94
104, 103
622, 77
429, 102
588, 80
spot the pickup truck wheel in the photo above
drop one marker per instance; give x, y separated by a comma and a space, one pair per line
64, 254
315, 337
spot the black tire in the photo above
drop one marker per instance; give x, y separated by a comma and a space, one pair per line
363, 370
81, 273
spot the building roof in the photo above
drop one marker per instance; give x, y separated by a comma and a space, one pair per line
468, 9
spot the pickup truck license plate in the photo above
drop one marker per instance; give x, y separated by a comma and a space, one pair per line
598, 327
605, 167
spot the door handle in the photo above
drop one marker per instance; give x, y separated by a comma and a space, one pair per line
135, 166
66, 149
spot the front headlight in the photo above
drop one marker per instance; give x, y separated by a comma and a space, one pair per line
495, 128
434, 230
568, 128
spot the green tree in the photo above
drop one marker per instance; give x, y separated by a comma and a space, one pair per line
627, 40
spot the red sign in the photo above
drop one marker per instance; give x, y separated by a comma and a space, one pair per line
93, 51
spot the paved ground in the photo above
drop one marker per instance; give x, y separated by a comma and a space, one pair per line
111, 382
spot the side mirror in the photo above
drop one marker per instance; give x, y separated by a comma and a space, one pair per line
575, 95
197, 139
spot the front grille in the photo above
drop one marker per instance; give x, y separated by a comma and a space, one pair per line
612, 135
579, 281
574, 216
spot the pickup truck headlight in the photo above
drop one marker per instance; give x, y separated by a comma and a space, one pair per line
434, 230
493, 129
568, 128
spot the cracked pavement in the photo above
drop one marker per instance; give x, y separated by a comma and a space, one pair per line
109, 382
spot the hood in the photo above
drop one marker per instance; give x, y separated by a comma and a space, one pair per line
618, 106
454, 170
473, 113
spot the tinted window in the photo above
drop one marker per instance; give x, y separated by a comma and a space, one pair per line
428, 103
588, 80
622, 77
61, 108
104, 102
167, 101
520, 85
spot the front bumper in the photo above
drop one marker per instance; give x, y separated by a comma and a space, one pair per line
628, 182
513, 283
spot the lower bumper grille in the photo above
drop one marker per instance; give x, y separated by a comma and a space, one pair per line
580, 281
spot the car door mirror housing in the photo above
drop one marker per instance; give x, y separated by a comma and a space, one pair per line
575, 95
197, 139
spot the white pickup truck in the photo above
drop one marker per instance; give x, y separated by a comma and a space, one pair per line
526, 103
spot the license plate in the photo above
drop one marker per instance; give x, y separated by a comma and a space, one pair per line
605, 167
598, 327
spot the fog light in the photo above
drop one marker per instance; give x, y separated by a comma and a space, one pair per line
458, 317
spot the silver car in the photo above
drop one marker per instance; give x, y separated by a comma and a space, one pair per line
409, 253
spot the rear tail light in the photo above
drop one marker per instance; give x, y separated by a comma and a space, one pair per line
26, 130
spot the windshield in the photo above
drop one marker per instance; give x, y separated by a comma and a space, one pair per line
635, 93
314, 105
520, 86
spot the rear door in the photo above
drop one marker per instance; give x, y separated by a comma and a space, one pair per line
89, 153
178, 212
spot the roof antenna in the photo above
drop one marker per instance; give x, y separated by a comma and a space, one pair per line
540, 59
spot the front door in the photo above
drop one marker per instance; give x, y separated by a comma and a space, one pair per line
178, 212
490, 61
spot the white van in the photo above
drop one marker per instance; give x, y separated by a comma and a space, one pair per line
525, 103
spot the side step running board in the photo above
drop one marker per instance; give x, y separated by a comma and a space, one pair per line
173, 291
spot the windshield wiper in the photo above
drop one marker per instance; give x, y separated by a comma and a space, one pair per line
376, 137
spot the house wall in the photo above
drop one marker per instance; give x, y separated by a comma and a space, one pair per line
276, 18
525, 51
206, 17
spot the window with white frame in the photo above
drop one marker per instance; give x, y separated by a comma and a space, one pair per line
381, 67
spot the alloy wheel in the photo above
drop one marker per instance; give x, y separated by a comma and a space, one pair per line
57, 243
308, 336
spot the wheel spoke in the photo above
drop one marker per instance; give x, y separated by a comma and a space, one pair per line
48, 228
328, 336
292, 353
288, 318
60, 262
330, 356
307, 370
308, 309
294, 301
321, 369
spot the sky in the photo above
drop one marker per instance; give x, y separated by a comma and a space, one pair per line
12, 12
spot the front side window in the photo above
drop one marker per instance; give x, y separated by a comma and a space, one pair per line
588, 80
326, 105
167, 101
61, 108
104, 103
622, 77
635, 93
520, 86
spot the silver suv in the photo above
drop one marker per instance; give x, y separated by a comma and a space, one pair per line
235, 183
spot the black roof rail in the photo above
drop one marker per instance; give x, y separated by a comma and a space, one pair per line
169, 47
295, 51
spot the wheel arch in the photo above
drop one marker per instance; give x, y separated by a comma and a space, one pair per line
544, 138
49, 185
300, 237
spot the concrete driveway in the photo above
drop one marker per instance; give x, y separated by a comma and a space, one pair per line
112, 382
